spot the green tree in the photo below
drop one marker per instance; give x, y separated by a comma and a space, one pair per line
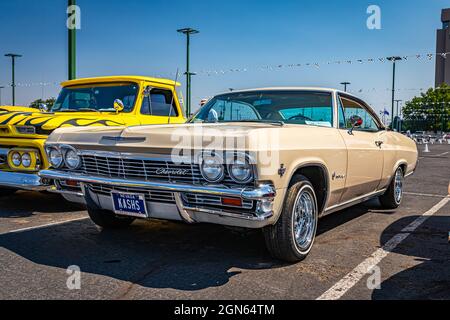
430, 111
36, 103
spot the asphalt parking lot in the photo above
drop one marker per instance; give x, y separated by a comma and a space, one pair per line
41, 236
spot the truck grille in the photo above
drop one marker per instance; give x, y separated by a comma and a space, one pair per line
150, 195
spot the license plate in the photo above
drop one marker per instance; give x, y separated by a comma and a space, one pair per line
129, 204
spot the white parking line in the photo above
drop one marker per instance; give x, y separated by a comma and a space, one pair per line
425, 194
43, 226
352, 278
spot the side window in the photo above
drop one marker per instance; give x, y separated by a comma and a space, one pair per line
342, 124
353, 108
158, 103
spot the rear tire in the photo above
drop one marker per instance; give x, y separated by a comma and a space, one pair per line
107, 219
393, 196
6, 192
292, 237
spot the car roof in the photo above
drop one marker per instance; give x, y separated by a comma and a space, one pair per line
319, 89
118, 79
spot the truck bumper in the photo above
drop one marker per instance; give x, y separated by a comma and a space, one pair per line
23, 181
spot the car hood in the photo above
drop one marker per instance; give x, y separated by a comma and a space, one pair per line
164, 138
4, 109
45, 123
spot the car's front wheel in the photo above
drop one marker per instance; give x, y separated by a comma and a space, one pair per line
107, 219
393, 196
292, 237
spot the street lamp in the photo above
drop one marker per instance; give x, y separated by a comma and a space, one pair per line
1, 94
345, 84
13, 57
398, 114
72, 46
188, 73
393, 60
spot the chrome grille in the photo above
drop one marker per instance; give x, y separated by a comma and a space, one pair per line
140, 169
211, 200
150, 195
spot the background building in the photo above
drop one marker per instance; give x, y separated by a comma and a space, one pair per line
443, 46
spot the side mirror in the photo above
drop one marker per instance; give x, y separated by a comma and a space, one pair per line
118, 105
356, 122
43, 107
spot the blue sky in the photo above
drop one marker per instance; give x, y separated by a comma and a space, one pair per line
139, 37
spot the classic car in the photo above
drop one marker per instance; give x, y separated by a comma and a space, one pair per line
101, 101
274, 159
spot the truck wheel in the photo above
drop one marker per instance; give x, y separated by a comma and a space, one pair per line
292, 237
393, 196
107, 219
6, 192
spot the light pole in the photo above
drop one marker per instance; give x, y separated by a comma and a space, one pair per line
1, 94
13, 57
188, 73
398, 114
393, 60
345, 84
72, 46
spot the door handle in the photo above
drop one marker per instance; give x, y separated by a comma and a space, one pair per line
379, 143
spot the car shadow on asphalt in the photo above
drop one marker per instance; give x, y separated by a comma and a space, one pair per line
428, 275
157, 254
25, 204
154, 254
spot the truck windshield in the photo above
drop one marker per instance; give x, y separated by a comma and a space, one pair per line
96, 97
295, 107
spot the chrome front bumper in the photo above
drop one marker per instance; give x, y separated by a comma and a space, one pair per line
22, 181
264, 192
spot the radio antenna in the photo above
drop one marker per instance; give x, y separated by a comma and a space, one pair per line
173, 96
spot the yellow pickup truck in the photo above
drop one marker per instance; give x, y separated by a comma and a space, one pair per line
100, 101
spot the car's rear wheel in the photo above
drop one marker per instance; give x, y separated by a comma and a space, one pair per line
292, 237
107, 219
393, 196
6, 192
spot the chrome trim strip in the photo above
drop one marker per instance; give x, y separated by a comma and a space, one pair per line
263, 191
183, 213
23, 181
354, 201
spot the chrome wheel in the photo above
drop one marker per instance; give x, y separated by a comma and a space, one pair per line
304, 217
398, 185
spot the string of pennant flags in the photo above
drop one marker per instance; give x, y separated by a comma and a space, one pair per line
418, 57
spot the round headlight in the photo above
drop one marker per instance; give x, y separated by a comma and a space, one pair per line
55, 157
16, 159
26, 160
72, 159
211, 168
240, 170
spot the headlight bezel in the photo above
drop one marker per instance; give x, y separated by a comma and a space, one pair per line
49, 151
67, 162
233, 162
29, 160
219, 161
62, 151
16, 153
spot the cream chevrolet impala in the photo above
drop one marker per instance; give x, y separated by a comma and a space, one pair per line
275, 159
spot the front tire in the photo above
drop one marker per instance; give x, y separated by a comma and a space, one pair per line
393, 196
107, 219
292, 237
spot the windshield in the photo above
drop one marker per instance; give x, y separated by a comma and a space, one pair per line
296, 107
96, 97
